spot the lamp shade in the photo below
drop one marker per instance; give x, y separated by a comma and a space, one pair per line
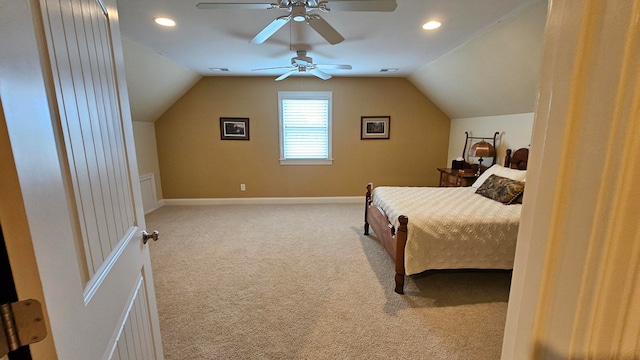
482, 149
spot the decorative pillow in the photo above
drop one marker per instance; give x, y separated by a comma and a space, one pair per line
519, 175
518, 199
501, 189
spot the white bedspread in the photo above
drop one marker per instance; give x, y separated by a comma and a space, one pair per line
452, 227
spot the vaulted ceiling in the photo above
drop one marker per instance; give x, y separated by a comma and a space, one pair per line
484, 60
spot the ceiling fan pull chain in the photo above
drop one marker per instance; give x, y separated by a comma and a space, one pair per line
290, 36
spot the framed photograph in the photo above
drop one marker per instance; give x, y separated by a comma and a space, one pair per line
234, 128
375, 127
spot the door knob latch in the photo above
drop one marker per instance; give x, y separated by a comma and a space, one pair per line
155, 235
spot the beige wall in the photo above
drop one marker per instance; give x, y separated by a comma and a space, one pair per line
515, 132
195, 163
147, 152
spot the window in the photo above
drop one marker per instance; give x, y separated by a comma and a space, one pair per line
305, 127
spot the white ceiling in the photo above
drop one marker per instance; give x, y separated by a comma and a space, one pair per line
206, 39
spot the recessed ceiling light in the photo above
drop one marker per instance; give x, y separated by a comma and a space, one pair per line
432, 25
389, 70
219, 69
164, 21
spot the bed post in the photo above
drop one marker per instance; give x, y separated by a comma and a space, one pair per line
507, 159
366, 207
401, 242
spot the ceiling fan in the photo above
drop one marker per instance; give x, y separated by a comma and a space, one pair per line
302, 63
299, 11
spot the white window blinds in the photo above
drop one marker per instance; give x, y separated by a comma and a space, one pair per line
305, 127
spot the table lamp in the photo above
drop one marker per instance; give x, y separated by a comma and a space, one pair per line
481, 149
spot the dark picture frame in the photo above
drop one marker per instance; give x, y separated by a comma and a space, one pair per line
234, 128
375, 127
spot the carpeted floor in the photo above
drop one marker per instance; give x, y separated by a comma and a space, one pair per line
303, 282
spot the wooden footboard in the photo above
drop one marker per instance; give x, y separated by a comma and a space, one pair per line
394, 240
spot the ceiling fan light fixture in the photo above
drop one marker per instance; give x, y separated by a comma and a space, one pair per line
298, 13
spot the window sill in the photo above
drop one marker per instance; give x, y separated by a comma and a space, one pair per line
306, 161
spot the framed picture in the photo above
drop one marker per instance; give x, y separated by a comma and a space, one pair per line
375, 127
234, 128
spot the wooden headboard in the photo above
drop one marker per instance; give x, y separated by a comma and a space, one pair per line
518, 160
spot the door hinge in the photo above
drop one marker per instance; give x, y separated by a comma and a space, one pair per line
22, 324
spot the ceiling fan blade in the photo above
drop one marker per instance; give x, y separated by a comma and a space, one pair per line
320, 74
225, 6
334, 67
286, 75
275, 68
363, 5
271, 29
324, 29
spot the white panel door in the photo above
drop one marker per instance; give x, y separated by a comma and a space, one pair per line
63, 90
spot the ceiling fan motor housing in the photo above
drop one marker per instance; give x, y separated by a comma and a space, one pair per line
302, 59
298, 13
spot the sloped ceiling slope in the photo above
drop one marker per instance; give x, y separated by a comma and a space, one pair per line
154, 82
495, 73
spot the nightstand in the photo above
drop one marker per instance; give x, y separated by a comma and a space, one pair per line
455, 178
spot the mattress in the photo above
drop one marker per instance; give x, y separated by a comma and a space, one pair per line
452, 227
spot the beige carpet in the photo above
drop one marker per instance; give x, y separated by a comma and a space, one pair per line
303, 282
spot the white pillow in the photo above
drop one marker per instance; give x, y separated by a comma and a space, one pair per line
500, 170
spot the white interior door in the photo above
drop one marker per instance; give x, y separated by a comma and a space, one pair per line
67, 113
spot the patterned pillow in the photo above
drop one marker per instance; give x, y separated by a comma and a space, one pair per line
518, 199
499, 170
501, 189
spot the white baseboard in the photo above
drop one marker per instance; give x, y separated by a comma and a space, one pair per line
159, 204
265, 200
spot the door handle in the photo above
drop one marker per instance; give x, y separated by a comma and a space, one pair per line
155, 235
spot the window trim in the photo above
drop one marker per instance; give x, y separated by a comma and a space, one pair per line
306, 95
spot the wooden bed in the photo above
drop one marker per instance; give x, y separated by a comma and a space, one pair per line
394, 237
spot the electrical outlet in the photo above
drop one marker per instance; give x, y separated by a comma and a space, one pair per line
371, 184
243, 187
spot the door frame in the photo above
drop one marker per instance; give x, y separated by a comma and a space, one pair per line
17, 236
